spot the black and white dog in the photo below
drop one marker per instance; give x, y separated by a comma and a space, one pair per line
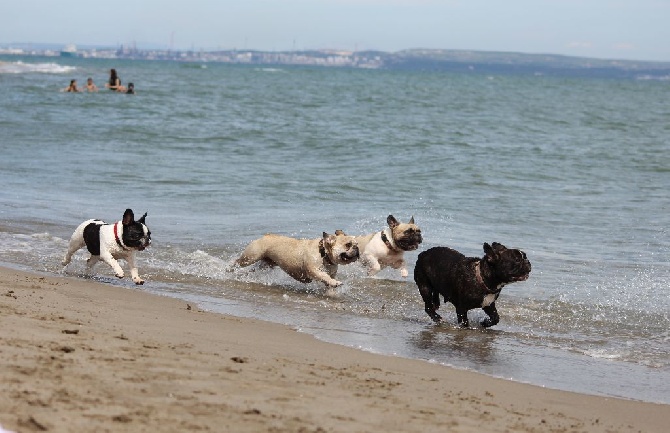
109, 242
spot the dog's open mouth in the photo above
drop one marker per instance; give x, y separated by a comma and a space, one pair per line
408, 245
344, 257
521, 277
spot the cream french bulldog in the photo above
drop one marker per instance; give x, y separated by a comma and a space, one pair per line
387, 247
304, 259
110, 242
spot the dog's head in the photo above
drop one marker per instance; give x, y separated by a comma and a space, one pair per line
340, 248
508, 265
136, 234
407, 237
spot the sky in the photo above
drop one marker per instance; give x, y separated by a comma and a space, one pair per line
610, 29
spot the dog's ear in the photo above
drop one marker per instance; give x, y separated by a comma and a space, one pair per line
411, 220
392, 222
491, 255
328, 239
143, 217
499, 247
340, 233
128, 217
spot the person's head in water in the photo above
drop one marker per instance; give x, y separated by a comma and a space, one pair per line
90, 85
72, 87
131, 88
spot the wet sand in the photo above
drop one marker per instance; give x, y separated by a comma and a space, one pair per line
81, 356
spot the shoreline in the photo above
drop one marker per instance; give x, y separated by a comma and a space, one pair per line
80, 355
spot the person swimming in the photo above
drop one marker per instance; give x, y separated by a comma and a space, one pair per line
72, 87
131, 89
90, 85
114, 83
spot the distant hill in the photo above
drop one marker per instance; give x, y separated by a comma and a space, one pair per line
508, 62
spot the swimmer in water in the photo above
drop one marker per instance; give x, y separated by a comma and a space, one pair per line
72, 87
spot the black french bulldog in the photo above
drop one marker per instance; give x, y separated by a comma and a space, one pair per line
468, 282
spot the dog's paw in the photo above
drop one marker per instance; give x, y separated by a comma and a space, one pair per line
404, 273
138, 281
372, 272
119, 276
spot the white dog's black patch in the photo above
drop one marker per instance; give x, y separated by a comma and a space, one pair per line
92, 237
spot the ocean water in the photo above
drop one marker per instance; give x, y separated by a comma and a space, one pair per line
574, 171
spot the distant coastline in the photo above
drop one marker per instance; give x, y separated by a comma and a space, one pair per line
486, 62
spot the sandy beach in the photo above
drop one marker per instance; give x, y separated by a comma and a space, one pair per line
82, 356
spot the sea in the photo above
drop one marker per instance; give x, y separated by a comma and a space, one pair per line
575, 171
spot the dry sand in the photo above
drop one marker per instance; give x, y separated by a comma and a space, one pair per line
81, 356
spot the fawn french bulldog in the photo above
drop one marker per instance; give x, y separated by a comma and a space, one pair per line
304, 259
387, 247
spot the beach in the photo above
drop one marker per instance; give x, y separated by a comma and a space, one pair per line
80, 355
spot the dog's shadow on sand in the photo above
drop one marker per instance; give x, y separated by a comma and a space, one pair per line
446, 341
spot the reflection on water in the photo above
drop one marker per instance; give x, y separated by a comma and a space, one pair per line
477, 346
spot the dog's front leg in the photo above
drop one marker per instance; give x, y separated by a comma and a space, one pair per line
493, 318
400, 264
372, 264
111, 261
327, 279
133, 269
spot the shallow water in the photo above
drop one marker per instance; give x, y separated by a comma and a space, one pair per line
574, 171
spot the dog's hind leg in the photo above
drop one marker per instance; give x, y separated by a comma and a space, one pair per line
90, 263
436, 299
72, 248
67, 257
462, 316
251, 254
244, 261
428, 295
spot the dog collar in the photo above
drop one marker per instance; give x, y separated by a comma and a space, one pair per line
116, 236
386, 241
322, 251
480, 280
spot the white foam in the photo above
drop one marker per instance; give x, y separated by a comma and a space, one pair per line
602, 354
25, 68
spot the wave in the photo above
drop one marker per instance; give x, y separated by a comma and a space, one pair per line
27, 68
